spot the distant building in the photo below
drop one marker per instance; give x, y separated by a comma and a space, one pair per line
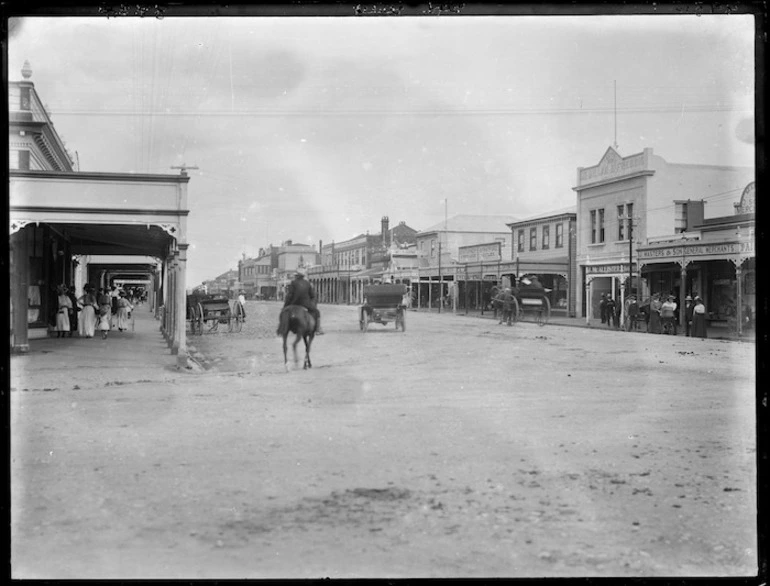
442, 278
347, 267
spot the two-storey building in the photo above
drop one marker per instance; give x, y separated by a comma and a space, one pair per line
544, 245
624, 201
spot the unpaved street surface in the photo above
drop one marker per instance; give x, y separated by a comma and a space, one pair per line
457, 448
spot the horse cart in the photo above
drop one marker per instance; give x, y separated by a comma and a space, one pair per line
206, 312
529, 296
383, 304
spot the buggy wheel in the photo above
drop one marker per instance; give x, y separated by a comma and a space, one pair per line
199, 319
191, 317
238, 325
544, 314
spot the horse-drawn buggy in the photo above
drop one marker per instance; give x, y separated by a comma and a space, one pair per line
529, 296
383, 304
206, 312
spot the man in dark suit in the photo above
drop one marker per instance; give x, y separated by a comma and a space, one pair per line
688, 307
301, 292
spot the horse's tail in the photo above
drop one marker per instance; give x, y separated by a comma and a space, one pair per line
283, 323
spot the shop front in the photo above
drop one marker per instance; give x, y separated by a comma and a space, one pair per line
611, 280
721, 271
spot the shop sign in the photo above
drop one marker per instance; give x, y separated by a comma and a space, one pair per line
490, 277
723, 248
606, 269
480, 253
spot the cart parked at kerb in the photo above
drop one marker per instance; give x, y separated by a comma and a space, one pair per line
529, 297
383, 304
206, 312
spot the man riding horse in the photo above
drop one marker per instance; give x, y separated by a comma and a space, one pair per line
301, 292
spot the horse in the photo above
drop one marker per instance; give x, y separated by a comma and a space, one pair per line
296, 319
503, 303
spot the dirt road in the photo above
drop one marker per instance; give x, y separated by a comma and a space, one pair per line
458, 448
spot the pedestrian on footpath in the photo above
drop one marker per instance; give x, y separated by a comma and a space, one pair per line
62, 326
667, 315
74, 325
105, 312
699, 319
124, 311
688, 309
655, 305
603, 308
609, 310
89, 310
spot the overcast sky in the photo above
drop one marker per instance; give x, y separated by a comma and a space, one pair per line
314, 128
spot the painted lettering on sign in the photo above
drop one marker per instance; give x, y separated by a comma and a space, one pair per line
480, 253
605, 269
700, 250
612, 168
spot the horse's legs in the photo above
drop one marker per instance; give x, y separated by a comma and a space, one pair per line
308, 341
285, 359
294, 348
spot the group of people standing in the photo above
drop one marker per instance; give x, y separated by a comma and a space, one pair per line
662, 316
95, 310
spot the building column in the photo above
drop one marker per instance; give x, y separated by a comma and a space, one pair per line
682, 294
622, 302
179, 347
738, 297
19, 277
589, 305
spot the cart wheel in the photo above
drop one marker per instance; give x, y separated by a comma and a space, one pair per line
545, 312
238, 325
192, 319
230, 320
199, 319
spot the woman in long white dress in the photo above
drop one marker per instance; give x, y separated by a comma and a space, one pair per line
63, 312
87, 321
124, 307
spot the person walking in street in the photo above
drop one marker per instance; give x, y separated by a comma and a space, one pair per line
699, 319
242, 303
114, 296
89, 310
655, 305
124, 311
688, 307
301, 292
603, 308
62, 326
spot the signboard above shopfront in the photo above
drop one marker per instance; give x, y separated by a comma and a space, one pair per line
610, 269
491, 252
698, 250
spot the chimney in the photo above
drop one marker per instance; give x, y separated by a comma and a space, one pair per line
385, 236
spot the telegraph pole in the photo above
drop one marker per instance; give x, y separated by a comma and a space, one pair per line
183, 168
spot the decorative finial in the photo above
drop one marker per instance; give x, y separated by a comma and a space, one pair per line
26, 70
